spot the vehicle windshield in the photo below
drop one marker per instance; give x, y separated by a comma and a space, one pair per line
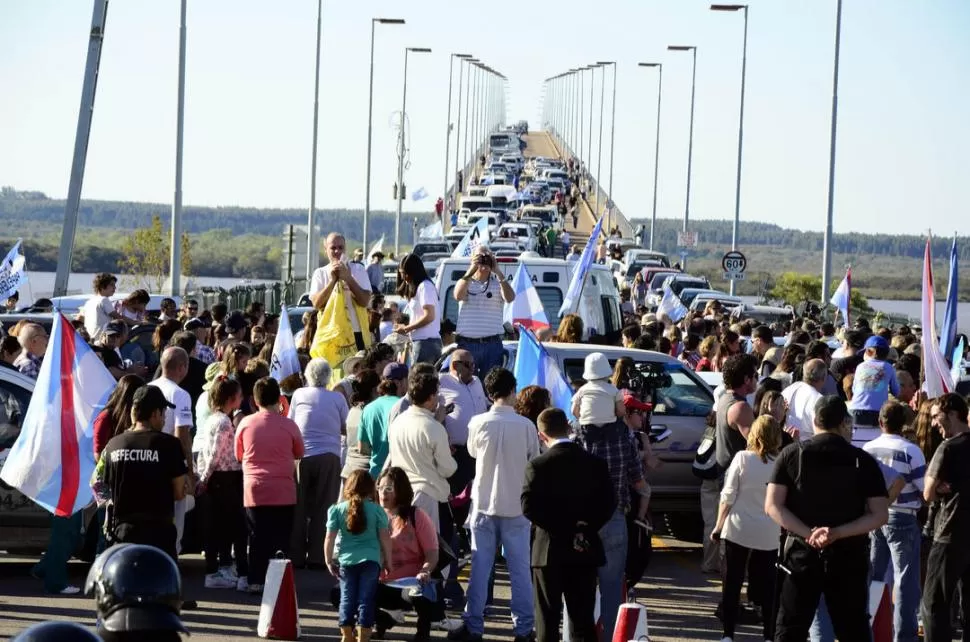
658, 280
679, 285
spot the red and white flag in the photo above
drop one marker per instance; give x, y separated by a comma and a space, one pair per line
937, 380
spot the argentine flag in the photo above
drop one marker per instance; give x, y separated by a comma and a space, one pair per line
53, 458
535, 366
843, 294
571, 300
671, 306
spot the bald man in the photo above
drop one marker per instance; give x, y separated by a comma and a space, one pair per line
33, 340
178, 420
802, 396
350, 276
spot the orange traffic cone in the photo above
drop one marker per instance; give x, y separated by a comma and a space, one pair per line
279, 616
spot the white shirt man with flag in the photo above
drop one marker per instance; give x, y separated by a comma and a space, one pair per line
481, 294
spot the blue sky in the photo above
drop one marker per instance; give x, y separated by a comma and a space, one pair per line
903, 129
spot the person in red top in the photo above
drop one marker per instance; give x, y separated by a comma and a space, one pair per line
439, 207
268, 445
115, 418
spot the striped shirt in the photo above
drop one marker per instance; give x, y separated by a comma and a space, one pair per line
905, 458
481, 315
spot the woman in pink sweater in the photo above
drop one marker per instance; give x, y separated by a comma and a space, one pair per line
268, 444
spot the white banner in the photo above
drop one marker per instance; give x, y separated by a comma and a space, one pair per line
12, 273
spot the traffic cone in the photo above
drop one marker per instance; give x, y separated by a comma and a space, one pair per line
631, 623
279, 616
881, 612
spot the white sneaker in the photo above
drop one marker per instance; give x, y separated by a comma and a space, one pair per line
242, 584
447, 624
69, 590
727, 639
229, 572
255, 589
218, 581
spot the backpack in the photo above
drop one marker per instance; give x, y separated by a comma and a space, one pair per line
705, 463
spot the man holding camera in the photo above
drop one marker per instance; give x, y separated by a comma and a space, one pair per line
482, 294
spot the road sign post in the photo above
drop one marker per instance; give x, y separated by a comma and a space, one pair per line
734, 264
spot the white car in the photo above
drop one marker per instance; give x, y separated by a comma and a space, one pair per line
519, 235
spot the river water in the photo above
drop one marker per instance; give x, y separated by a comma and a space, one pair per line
41, 284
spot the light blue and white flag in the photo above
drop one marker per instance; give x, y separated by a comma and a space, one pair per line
12, 273
53, 458
526, 310
843, 295
419, 195
571, 301
477, 235
535, 366
948, 331
671, 306
285, 361
435, 231
956, 358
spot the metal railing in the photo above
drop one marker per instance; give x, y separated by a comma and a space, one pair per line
271, 295
618, 218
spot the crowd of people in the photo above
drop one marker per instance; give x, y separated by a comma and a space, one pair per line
820, 465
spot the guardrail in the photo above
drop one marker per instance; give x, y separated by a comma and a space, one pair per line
271, 295
618, 218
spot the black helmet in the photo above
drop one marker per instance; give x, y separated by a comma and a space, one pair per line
57, 632
136, 588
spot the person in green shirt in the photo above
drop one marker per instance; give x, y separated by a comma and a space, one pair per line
365, 548
372, 433
551, 241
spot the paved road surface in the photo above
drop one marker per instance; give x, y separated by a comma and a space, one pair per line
680, 602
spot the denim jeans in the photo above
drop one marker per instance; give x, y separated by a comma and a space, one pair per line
822, 630
512, 533
425, 351
358, 594
614, 537
487, 355
898, 541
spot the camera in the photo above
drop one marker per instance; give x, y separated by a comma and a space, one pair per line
646, 377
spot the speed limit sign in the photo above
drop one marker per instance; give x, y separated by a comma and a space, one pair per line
734, 264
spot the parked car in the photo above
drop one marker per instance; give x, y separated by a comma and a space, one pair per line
679, 282
428, 247
519, 235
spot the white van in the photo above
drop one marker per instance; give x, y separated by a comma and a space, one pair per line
473, 203
600, 300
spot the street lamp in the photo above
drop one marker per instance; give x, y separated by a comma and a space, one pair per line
400, 156
690, 140
589, 150
451, 73
313, 250
472, 62
827, 255
370, 116
744, 68
609, 189
656, 149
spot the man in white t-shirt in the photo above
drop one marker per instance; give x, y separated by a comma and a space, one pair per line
98, 311
178, 421
352, 277
801, 397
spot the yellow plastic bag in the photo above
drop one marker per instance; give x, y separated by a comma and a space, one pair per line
334, 339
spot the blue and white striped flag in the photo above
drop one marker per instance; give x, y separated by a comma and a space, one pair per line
12, 274
571, 300
535, 366
421, 194
477, 235
948, 331
671, 306
843, 295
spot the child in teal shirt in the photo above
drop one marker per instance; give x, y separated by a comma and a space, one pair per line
365, 542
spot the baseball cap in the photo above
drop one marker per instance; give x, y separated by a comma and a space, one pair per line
648, 318
395, 371
353, 361
195, 323
877, 342
150, 397
235, 321
114, 328
630, 402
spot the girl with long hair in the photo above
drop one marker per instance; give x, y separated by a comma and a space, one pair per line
235, 358
570, 329
365, 547
221, 477
424, 324
750, 536
115, 418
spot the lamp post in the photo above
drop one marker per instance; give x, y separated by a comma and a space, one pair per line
744, 67
589, 149
370, 117
451, 73
312, 249
656, 149
472, 62
175, 255
579, 101
609, 189
599, 144
827, 256
690, 139
401, 150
